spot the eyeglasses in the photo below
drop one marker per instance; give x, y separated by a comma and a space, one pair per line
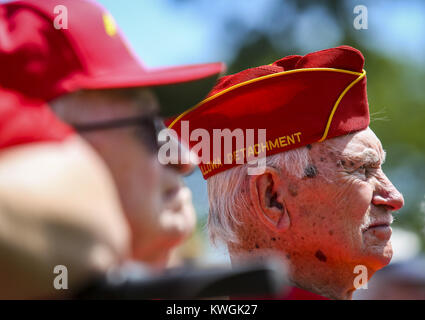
148, 128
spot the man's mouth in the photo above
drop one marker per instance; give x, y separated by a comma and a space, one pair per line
380, 228
379, 225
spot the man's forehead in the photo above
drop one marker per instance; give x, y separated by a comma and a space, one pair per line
105, 105
120, 103
143, 99
364, 145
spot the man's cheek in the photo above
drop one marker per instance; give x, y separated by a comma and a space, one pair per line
352, 200
361, 199
176, 225
355, 197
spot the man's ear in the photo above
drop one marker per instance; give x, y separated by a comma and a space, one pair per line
266, 192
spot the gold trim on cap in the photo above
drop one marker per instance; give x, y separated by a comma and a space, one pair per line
328, 125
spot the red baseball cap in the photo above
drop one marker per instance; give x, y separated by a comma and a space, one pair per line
298, 100
52, 47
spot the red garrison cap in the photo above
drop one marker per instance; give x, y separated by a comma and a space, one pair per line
44, 62
24, 120
298, 100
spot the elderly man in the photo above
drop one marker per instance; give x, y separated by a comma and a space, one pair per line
321, 200
53, 188
93, 81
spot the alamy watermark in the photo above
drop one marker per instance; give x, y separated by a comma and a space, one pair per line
215, 150
361, 19
60, 282
212, 150
61, 17
360, 281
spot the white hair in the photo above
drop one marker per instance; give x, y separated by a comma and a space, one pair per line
228, 196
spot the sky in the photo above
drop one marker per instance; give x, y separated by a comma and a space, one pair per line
164, 33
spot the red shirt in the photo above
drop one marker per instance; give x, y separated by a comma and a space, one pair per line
299, 294
290, 293
25, 121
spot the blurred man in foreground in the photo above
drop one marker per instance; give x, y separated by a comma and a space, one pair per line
157, 204
321, 201
95, 83
53, 189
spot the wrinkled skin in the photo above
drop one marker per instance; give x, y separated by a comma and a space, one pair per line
329, 214
156, 203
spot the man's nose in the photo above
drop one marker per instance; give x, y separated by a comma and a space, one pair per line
387, 195
184, 164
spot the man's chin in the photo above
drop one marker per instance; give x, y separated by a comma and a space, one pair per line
379, 256
176, 226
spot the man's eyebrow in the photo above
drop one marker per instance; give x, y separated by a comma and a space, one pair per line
367, 156
383, 156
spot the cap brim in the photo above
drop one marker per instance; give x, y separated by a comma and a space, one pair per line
178, 88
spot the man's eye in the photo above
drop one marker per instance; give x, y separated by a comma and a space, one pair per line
147, 136
362, 171
367, 170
